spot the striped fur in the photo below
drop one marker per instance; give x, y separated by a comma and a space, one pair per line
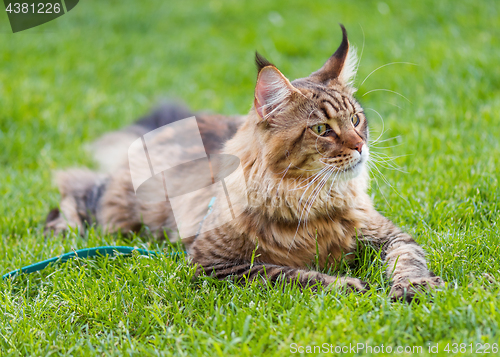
302, 190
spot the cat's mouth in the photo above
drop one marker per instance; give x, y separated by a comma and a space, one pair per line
352, 170
349, 169
357, 162
355, 165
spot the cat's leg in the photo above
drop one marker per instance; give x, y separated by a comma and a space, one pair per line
246, 271
405, 259
81, 190
66, 216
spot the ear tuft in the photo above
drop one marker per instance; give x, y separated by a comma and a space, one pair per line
348, 73
342, 65
261, 62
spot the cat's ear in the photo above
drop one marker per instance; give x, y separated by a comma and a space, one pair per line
272, 91
342, 65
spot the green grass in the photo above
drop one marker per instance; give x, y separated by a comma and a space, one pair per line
106, 63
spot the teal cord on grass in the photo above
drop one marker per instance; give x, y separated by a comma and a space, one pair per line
83, 253
98, 251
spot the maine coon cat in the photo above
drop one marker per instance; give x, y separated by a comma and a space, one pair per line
299, 196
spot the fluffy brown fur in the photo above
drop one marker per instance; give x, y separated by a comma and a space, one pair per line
299, 197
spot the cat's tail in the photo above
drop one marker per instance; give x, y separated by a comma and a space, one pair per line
111, 150
82, 189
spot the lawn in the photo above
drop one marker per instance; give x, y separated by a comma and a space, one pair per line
106, 63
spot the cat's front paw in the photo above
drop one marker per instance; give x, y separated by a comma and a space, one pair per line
349, 285
406, 289
55, 223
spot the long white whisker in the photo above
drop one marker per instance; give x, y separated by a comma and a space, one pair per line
322, 173
382, 156
385, 65
314, 195
361, 55
386, 90
394, 105
383, 124
383, 147
313, 178
376, 181
382, 176
286, 171
386, 160
372, 143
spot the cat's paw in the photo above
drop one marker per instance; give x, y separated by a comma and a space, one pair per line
349, 284
406, 289
54, 223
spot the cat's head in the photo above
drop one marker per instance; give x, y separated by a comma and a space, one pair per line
312, 123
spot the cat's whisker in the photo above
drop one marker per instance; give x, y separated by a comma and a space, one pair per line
285, 170
383, 125
316, 147
385, 147
382, 176
303, 208
324, 173
314, 195
282, 178
334, 181
296, 184
331, 173
308, 180
387, 161
394, 105
384, 158
321, 184
385, 65
370, 168
372, 142
387, 90
361, 54
383, 161
389, 166
383, 155
309, 116
314, 179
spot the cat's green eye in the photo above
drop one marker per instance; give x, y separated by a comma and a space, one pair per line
355, 119
320, 129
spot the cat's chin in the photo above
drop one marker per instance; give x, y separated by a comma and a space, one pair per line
356, 169
352, 172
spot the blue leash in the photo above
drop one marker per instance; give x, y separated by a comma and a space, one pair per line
97, 251
83, 253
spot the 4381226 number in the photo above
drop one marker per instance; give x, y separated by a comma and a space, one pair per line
477, 348
39, 8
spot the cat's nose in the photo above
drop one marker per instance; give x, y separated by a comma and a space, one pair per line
358, 146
